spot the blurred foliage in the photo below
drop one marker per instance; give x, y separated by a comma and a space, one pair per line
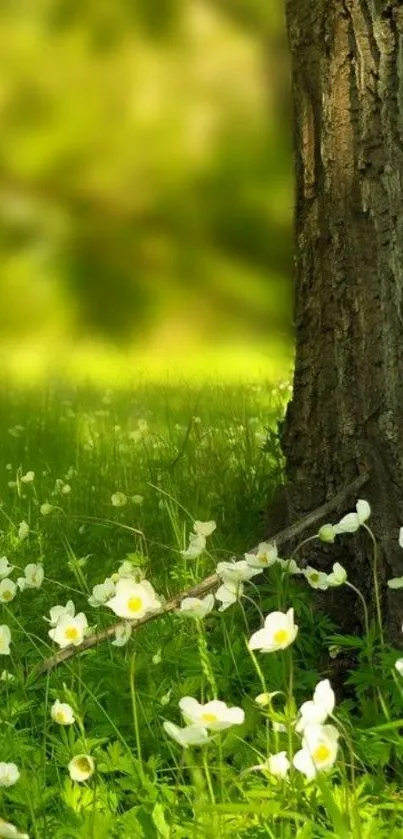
144, 169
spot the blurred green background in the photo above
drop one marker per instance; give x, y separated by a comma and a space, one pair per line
145, 175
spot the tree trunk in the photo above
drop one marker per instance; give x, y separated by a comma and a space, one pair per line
346, 412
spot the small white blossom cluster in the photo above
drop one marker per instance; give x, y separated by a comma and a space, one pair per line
198, 539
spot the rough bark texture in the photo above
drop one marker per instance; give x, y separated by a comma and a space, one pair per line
347, 408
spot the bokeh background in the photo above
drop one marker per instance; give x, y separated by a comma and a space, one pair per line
145, 177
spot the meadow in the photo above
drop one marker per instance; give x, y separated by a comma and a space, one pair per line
106, 488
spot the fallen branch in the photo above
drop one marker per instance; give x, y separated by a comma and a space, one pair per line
208, 583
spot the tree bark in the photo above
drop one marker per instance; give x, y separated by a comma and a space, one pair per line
346, 414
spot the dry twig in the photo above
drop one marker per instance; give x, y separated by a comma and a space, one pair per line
209, 583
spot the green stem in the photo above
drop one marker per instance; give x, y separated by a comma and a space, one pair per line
136, 718
376, 584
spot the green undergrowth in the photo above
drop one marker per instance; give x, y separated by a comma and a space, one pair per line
170, 456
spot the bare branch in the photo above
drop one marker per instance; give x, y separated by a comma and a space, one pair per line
209, 583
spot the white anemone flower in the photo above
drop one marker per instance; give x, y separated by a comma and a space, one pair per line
353, 521
214, 715
316, 579
123, 632
69, 630
278, 764
5, 567
101, 593
191, 735
279, 632
265, 556
23, 530
5, 640
319, 752
34, 574
81, 767
196, 607
10, 831
197, 544
138, 500
9, 774
8, 590
62, 713
204, 528
236, 572
316, 710
399, 666
56, 612
395, 583
327, 533
28, 478
132, 600
290, 566
6, 676
119, 499
338, 576
228, 594
46, 509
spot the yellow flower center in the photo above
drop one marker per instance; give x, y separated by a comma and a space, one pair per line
71, 633
263, 559
7, 595
321, 753
209, 717
60, 716
134, 604
314, 577
83, 764
281, 636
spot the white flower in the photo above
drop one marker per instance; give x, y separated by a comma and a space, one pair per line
62, 713
133, 600
192, 735
399, 666
5, 567
395, 582
319, 752
126, 571
327, 533
236, 572
47, 509
204, 528
101, 593
28, 477
228, 594
56, 612
23, 530
197, 608
8, 590
214, 715
197, 544
316, 710
6, 676
278, 764
9, 831
9, 774
66, 489
316, 579
5, 640
138, 500
352, 521
34, 574
290, 566
263, 699
338, 576
265, 556
123, 632
119, 499
69, 630
279, 632
81, 767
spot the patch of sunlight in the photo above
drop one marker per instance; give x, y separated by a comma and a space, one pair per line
100, 365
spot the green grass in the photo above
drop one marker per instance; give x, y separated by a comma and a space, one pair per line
208, 451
